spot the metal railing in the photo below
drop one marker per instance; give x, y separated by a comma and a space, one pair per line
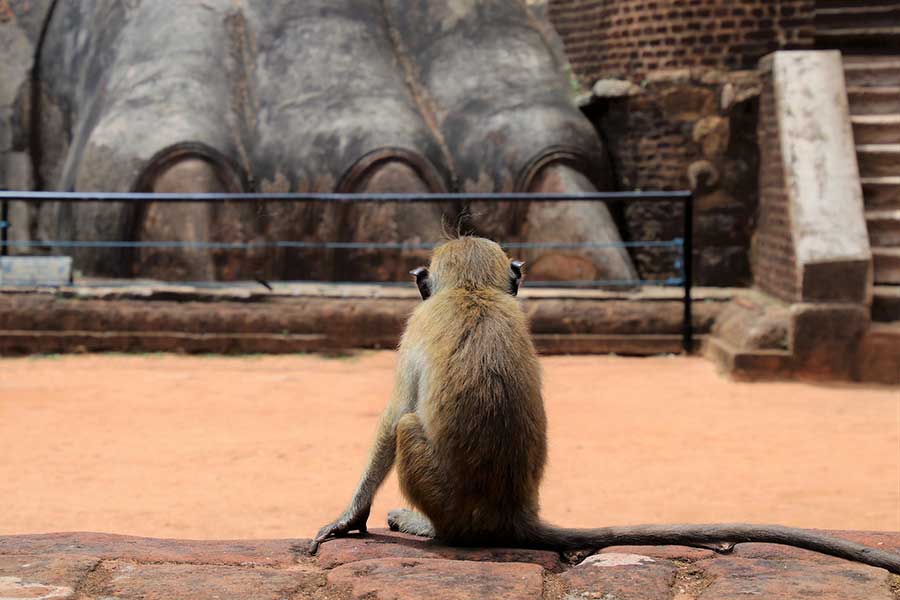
681, 245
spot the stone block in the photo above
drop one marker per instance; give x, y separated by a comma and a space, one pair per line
678, 553
713, 134
826, 338
140, 549
43, 576
387, 544
128, 581
52, 271
621, 575
787, 579
826, 213
879, 355
427, 579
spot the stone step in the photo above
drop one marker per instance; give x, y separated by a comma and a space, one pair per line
881, 193
857, 16
878, 359
326, 318
867, 72
15, 342
850, 4
626, 345
874, 100
887, 265
886, 303
884, 227
859, 39
748, 365
876, 129
878, 160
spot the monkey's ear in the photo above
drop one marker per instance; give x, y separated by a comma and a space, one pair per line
516, 279
422, 282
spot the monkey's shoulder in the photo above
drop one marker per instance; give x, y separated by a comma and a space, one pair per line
467, 328
467, 313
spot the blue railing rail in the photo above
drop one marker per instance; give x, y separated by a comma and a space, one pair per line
683, 245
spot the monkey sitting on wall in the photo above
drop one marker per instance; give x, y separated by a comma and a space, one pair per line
467, 431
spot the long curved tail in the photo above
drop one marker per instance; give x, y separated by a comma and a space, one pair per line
544, 536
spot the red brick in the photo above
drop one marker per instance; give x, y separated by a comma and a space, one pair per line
612, 30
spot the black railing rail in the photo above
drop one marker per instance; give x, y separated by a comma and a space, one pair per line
684, 244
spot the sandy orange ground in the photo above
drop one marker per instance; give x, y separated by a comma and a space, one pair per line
271, 447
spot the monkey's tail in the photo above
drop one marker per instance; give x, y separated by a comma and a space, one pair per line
718, 537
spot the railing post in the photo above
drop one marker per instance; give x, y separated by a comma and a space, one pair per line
687, 271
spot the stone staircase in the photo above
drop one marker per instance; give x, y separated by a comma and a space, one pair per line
873, 87
868, 34
858, 26
759, 336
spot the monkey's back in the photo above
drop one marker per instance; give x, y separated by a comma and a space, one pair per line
481, 407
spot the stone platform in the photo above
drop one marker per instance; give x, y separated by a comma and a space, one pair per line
244, 318
386, 565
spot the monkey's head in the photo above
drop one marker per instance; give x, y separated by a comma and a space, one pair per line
470, 263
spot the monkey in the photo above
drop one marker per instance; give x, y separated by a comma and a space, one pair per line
466, 428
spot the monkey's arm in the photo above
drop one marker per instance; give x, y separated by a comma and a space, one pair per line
381, 458
380, 462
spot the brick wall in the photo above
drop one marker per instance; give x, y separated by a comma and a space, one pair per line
580, 23
774, 263
630, 38
688, 131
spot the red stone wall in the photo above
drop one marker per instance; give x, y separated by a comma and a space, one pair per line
693, 132
693, 123
630, 38
774, 264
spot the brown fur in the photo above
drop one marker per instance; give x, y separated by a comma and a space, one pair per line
467, 430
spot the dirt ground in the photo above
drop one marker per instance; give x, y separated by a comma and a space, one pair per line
265, 447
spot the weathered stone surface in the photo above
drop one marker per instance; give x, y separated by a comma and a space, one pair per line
388, 544
713, 134
152, 550
572, 223
623, 576
826, 216
306, 319
222, 111
411, 578
826, 337
879, 354
614, 88
755, 322
387, 565
43, 576
789, 579
128, 581
702, 176
680, 553
688, 103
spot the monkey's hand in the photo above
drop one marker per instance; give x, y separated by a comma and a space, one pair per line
353, 519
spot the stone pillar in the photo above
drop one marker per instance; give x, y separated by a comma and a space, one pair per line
811, 243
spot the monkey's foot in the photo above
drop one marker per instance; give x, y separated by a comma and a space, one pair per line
411, 522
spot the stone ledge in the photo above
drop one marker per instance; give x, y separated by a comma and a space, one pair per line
247, 318
389, 565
